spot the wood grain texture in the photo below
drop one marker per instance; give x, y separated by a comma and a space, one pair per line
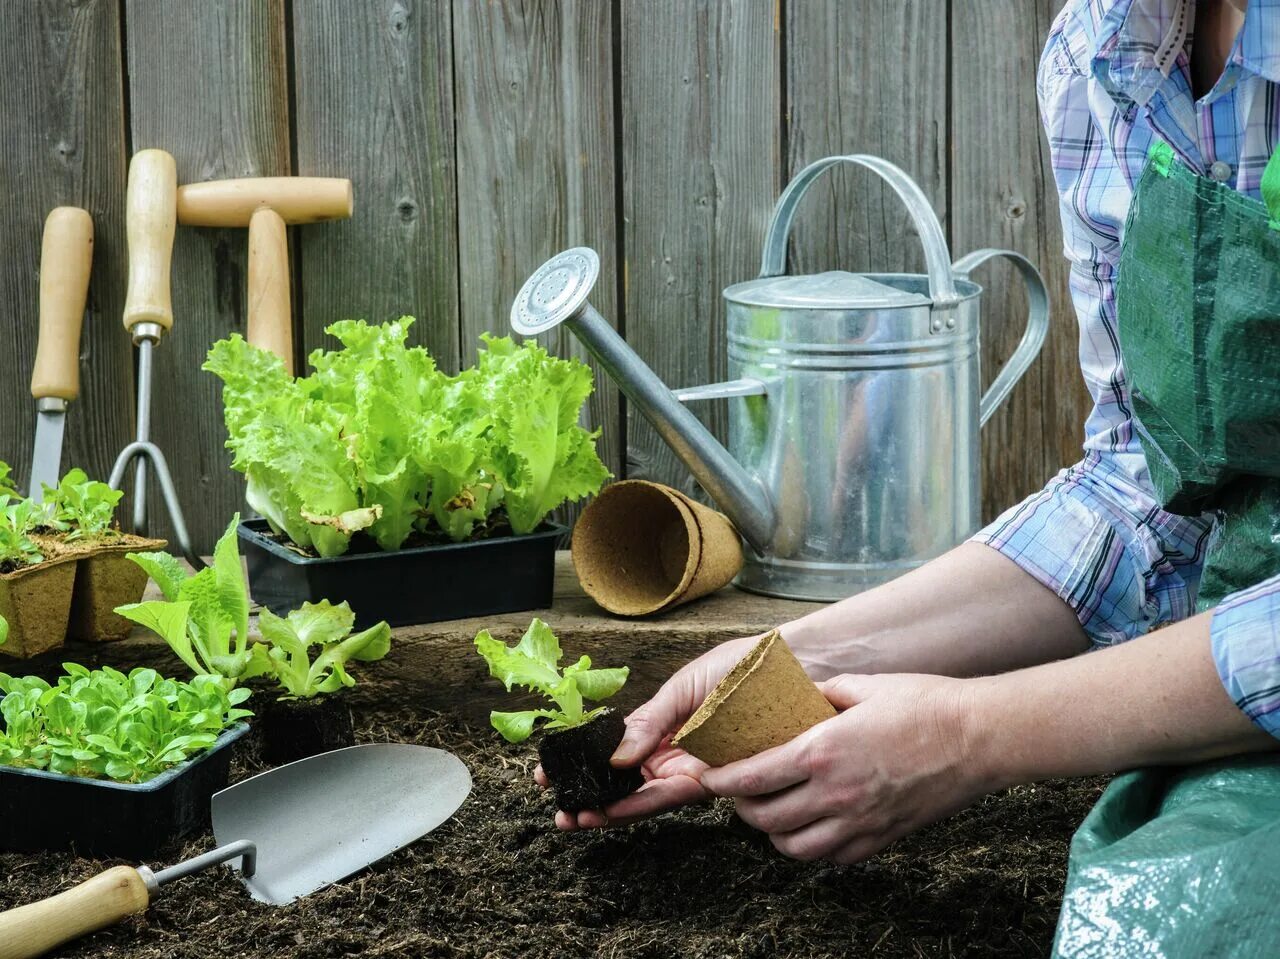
374, 102
1005, 197
700, 107
62, 120
535, 166
207, 82
868, 77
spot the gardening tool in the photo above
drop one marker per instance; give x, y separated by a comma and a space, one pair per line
294, 830
150, 202
66, 255
854, 411
265, 205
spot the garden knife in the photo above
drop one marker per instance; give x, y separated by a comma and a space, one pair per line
293, 830
66, 254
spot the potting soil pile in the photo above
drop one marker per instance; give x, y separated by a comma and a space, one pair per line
499, 881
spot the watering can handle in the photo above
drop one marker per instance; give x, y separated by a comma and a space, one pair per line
1032, 339
942, 287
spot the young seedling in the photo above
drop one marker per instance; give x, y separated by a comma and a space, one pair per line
103, 724
579, 741
204, 618
80, 508
306, 653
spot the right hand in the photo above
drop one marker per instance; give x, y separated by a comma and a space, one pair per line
673, 777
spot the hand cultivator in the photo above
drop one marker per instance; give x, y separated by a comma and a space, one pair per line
150, 205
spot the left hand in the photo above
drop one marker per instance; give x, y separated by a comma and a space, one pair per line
896, 758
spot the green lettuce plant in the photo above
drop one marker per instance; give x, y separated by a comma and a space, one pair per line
204, 617
306, 652
378, 440
534, 664
7, 487
80, 508
105, 724
17, 520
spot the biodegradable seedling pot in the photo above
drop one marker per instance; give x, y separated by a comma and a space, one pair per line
293, 729
425, 584
36, 602
641, 547
765, 700
41, 810
107, 578
576, 762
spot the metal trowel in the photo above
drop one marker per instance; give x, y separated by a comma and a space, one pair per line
291, 830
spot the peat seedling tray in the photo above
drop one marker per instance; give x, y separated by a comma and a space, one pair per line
498, 881
41, 810
424, 584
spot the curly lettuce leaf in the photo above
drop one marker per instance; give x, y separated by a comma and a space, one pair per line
534, 664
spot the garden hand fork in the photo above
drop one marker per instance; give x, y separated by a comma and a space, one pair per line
151, 217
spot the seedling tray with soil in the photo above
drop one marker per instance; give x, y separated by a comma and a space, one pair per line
499, 881
417, 584
42, 810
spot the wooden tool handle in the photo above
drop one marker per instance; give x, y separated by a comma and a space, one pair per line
150, 217
270, 317
102, 901
298, 199
66, 256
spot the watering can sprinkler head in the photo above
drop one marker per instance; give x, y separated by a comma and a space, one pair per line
557, 294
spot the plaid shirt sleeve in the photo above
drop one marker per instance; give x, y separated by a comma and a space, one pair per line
1095, 534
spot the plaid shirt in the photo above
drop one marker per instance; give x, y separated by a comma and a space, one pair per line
1115, 75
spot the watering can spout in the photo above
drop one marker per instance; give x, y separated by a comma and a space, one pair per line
557, 293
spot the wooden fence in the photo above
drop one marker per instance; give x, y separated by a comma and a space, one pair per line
483, 136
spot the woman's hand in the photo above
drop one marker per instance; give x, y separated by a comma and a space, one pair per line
672, 775
896, 758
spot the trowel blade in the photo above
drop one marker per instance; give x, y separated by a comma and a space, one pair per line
320, 819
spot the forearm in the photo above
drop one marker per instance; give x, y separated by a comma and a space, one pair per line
1152, 701
972, 612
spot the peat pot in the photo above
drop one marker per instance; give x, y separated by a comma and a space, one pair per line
105, 578
36, 602
425, 584
41, 810
854, 406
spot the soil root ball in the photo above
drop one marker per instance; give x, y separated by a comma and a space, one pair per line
576, 762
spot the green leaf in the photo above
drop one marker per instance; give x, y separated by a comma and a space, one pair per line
517, 727
168, 620
534, 664
168, 571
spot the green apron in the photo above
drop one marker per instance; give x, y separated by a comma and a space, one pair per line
1186, 862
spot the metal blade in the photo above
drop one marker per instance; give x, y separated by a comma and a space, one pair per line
320, 819
46, 460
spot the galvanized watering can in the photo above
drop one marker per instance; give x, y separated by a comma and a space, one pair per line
853, 451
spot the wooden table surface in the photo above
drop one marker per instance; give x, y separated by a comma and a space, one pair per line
435, 665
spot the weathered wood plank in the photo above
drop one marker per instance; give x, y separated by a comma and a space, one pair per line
535, 165
208, 83
866, 78
374, 102
1005, 198
700, 110
62, 122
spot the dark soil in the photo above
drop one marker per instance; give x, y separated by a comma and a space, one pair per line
292, 729
577, 765
499, 881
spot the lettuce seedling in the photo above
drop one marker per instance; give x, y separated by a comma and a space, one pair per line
80, 507
8, 489
17, 519
285, 653
204, 616
105, 724
534, 664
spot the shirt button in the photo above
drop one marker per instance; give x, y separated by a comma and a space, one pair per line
1220, 171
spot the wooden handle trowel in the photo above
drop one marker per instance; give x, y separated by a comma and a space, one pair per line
293, 830
66, 255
